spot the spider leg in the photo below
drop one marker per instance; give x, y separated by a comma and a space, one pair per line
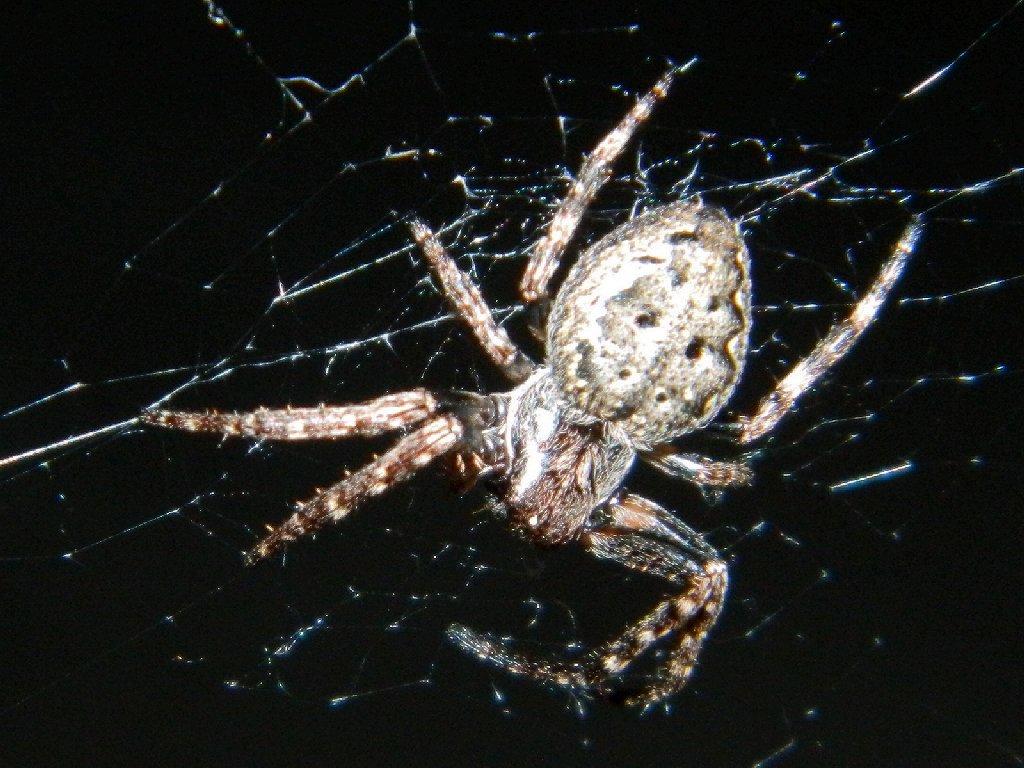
469, 305
683, 558
433, 439
591, 177
831, 349
641, 535
697, 469
325, 422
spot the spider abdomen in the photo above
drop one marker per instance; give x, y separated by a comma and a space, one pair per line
649, 330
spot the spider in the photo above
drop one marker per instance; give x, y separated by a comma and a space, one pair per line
645, 342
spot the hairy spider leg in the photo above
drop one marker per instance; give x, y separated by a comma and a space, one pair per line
834, 346
324, 422
469, 306
639, 534
590, 178
647, 537
435, 438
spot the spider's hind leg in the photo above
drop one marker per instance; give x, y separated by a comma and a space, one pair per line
831, 349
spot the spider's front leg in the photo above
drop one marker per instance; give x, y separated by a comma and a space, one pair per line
437, 437
439, 431
324, 422
641, 535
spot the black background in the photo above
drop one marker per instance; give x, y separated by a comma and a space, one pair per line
875, 626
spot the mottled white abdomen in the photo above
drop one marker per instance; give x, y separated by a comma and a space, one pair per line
649, 330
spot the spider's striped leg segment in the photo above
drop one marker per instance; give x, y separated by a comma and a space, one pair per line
591, 177
839, 340
646, 537
465, 299
439, 433
435, 438
325, 422
641, 535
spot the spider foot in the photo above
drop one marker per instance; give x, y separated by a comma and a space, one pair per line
278, 537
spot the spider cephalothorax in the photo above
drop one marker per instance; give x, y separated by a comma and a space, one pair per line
646, 341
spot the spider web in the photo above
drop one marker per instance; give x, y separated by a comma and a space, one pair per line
208, 210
